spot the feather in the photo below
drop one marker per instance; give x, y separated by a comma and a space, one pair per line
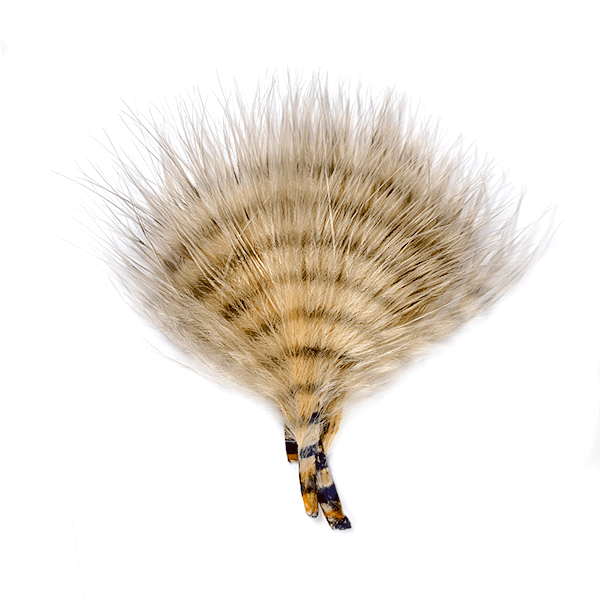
309, 245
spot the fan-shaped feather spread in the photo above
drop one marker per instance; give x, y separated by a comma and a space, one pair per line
309, 245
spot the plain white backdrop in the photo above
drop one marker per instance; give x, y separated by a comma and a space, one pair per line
123, 475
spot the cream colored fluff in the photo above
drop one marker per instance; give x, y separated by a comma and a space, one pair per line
308, 245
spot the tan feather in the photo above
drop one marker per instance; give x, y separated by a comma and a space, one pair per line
309, 246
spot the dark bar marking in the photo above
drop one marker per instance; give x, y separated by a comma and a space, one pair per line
339, 524
307, 388
329, 495
309, 451
333, 317
316, 351
320, 460
203, 288
341, 360
266, 328
291, 449
232, 310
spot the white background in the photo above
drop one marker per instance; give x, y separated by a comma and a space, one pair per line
123, 475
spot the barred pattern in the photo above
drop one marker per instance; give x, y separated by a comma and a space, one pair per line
309, 247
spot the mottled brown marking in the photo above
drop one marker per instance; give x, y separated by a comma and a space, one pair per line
308, 247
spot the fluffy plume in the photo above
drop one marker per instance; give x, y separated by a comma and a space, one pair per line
308, 244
